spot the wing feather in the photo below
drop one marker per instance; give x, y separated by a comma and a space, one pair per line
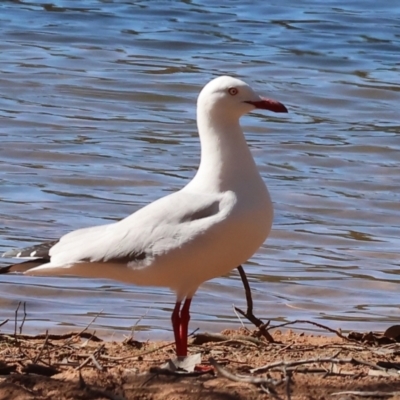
159, 227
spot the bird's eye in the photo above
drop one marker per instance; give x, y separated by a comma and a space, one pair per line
233, 91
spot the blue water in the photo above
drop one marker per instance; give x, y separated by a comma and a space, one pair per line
97, 109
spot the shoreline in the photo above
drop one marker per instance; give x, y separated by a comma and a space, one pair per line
297, 365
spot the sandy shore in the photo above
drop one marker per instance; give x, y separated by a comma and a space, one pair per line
294, 366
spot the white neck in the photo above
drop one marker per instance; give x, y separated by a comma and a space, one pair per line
226, 160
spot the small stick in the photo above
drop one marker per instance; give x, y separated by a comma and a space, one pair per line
23, 319
302, 321
242, 378
79, 334
249, 313
249, 298
137, 356
43, 347
85, 335
202, 338
15, 320
238, 316
145, 353
95, 362
4, 322
367, 394
137, 323
292, 364
288, 375
270, 392
88, 359
90, 323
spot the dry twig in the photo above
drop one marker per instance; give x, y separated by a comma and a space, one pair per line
202, 338
249, 313
91, 357
366, 394
83, 331
16, 320
291, 365
288, 382
302, 321
4, 322
42, 348
23, 319
53, 336
287, 368
269, 382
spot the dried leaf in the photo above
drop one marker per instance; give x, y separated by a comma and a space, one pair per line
388, 373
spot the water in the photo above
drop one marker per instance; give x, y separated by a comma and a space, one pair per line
97, 108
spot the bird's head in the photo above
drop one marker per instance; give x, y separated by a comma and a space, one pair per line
230, 96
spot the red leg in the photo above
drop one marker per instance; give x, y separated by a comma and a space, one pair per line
176, 326
185, 318
180, 322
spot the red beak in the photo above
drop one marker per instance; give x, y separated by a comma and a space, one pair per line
269, 104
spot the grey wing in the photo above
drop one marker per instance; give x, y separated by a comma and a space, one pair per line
37, 251
35, 255
161, 225
133, 239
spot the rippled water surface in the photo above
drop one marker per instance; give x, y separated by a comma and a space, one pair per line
97, 109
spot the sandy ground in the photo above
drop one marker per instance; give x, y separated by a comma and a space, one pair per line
296, 365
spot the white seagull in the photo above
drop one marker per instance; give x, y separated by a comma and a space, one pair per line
206, 229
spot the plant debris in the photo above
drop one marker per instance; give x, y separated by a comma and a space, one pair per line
294, 366
244, 364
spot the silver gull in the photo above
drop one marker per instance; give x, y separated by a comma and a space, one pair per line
206, 229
